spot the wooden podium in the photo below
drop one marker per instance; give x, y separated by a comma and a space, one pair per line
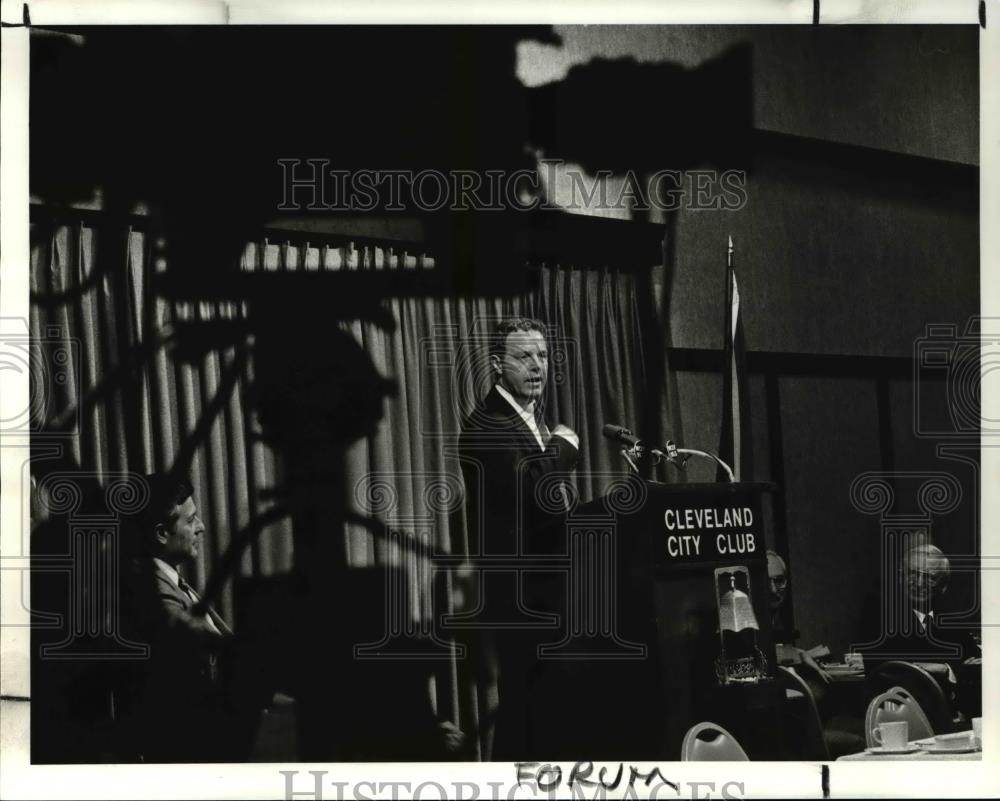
641, 641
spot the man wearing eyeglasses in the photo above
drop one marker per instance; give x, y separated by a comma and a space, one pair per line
924, 576
911, 627
784, 636
841, 734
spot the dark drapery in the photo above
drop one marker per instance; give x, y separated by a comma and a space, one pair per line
127, 402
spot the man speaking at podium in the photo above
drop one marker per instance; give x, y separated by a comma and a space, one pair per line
507, 452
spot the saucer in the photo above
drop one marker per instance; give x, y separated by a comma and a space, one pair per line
881, 749
958, 748
962, 736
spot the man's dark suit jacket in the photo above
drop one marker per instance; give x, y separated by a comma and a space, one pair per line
510, 506
514, 506
175, 707
910, 641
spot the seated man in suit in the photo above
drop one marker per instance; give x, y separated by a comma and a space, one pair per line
915, 634
507, 452
787, 652
176, 711
842, 732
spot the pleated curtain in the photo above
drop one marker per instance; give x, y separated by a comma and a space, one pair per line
126, 403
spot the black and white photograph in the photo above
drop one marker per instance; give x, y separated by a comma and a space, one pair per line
578, 403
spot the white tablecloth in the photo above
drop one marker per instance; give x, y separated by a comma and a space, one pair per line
922, 755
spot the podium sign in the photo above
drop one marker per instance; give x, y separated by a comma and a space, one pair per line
684, 552
698, 528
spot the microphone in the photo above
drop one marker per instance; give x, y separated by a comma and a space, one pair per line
622, 435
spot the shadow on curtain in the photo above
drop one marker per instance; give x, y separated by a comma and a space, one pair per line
121, 400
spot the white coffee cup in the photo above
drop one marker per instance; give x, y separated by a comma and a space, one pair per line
892, 734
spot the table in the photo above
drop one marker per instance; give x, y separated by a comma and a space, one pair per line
844, 675
917, 756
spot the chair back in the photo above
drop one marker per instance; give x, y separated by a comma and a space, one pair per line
894, 705
721, 747
804, 717
922, 686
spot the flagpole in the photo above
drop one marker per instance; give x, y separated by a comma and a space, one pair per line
726, 449
730, 349
678, 456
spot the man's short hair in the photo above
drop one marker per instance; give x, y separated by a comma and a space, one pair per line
166, 493
781, 561
924, 552
498, 342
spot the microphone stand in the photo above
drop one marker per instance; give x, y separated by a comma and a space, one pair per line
678, 456
628, 453
637, 451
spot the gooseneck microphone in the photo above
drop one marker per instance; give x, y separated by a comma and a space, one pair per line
634, 450
621, 435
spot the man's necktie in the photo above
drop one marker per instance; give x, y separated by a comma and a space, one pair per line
184, 587
543, 429
188, 590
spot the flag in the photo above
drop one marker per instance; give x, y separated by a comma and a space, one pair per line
735, 442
